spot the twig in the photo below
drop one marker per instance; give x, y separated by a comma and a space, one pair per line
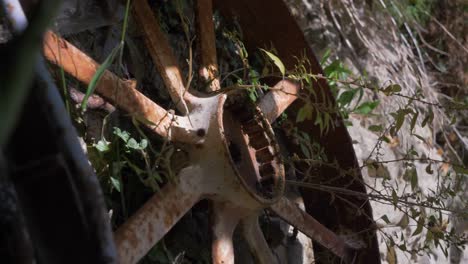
376, 197
430, 46
446, 31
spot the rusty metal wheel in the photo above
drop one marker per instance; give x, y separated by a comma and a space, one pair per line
234, 156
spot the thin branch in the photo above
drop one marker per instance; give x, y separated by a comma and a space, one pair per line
446, 31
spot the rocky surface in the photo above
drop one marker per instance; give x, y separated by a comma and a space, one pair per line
369, 41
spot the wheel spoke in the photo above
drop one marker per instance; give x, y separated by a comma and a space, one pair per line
162, 55
206, 34
225, 221
256, 240
292, 214
157, 216
121, 93
283, 94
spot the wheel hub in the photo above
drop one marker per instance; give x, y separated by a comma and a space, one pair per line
253, 151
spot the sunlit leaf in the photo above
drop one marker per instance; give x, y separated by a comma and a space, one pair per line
392, 89
304, 113
400, 119
124, 135
414, 179
115, 183
376, 128
143, 143
391, 255
133, 144
420, 226
102, 145
366, 107
428, 119
404, 221
394, 197
276, 61
325, 57
419, 137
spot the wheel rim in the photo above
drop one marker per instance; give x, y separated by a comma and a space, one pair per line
235, 198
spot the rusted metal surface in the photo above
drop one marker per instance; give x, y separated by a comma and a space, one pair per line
281, 96
292, 214
157, 216
122, 93
264, 27
236, 153
225, 220
209, 63
256, 240
162, 55
260, 167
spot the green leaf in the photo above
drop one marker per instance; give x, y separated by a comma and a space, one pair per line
276, 61
385, 139
414, 179
97, 76
376, 128
402, 246
325, 57
429, 236
304, 113
404, 221
420, 226
124, 135
392, 89
429, 169
394, 197
133, 144
143, 144
413, 152
346, 97
366, 107
115, 183
413, 120
385, 219
391, 255
419, 137
102, 145
428, 119
400, 119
